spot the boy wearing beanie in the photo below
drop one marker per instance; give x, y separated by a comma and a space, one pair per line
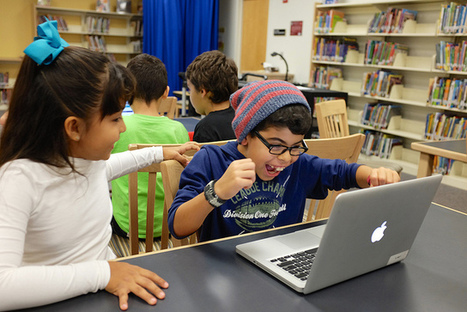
263, 179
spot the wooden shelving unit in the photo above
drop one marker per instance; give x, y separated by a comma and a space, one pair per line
122, 40
7, 87
417, 68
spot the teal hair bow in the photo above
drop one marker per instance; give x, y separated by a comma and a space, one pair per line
47, 45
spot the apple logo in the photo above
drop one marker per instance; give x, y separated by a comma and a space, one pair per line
378, 233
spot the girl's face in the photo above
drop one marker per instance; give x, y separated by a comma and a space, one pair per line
269, 166
97, 141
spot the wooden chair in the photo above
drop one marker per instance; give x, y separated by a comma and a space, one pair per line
346, 148
168, 106
333, 123
171, 171
132, 245
152, 170
332, 119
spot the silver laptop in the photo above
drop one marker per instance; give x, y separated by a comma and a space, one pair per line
368, 229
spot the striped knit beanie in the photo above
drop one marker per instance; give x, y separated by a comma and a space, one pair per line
257, 100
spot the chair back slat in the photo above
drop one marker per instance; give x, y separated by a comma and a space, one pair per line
346, 148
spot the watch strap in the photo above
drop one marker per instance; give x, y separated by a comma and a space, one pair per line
211, 195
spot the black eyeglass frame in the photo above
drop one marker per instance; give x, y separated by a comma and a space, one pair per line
303, 148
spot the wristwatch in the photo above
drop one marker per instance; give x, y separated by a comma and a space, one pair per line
211, 196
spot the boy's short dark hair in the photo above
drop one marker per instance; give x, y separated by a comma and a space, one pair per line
295, 117
214, 72
151, 77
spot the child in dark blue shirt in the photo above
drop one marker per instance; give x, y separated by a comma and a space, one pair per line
263, 179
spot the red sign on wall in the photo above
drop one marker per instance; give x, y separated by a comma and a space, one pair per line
296, 28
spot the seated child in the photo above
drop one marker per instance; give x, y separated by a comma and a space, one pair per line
145, 126
55, 163
263, 179
212, 77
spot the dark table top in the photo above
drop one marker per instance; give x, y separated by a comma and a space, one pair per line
212, 277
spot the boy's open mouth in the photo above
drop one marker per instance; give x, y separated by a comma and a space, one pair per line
273, 169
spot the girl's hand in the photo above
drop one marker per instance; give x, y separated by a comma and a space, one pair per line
240, 174
177, 153
126, 278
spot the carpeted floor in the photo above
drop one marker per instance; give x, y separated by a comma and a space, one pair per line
451, 197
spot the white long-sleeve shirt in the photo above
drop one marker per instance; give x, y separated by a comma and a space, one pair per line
55, 227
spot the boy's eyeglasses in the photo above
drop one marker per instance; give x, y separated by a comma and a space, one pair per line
281, 149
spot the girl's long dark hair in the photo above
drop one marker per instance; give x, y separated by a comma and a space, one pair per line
78, 83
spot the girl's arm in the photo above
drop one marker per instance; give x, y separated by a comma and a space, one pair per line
121, 164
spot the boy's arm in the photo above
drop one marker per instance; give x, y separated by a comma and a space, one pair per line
367, 176
190, 215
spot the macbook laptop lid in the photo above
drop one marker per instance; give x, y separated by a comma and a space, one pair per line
368, 229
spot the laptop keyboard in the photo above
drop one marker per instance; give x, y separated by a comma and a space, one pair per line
297, 264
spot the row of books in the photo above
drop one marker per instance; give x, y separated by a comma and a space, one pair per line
97, 24
333, 50
379, 83
137, 46
379, 115
61, 23
440, 126
382, 52
96, 43
326, 21
451, 56
391, 21
448, 92
322, 76
442, 165
137, 26
5, 96
379, 144
452, 18
4, 79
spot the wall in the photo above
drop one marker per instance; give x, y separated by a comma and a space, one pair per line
230, 19
295, 49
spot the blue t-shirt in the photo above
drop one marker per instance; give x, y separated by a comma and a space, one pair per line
266, 204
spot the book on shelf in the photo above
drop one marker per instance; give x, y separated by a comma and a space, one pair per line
379, 144
61, 22
4, 79
103, 5
378, 115
137, 27
440, 126
97, 24
335, 17
448, 92
442, 165
322, 76
326, 21
391, 21
452, 18
379, 83
123, 6
404, 16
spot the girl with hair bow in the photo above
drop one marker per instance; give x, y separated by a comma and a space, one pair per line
64, 118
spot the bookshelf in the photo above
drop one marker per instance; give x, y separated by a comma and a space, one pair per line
7, 80
117, 35
417, 67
